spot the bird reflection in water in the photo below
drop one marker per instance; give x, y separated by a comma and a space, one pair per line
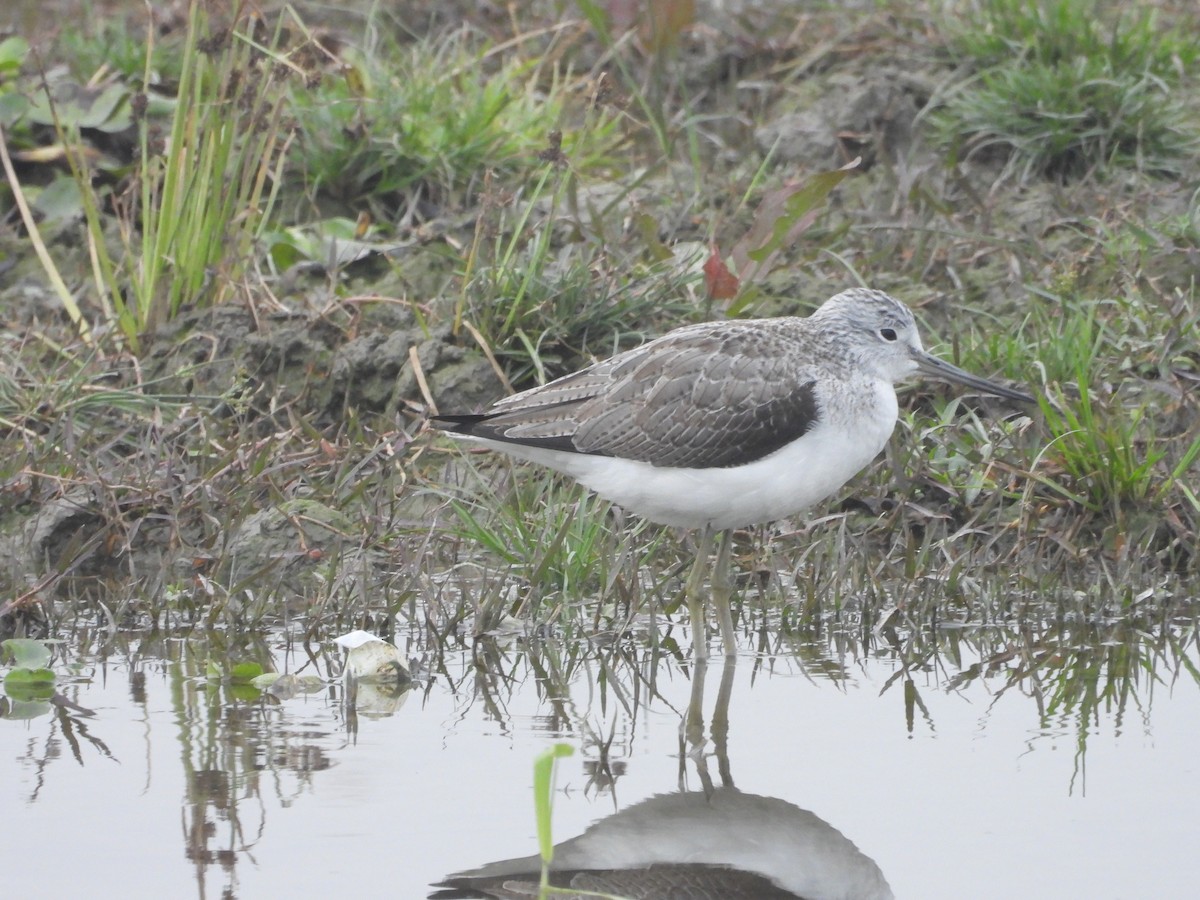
718, 843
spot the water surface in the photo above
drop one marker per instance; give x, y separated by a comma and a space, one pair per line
148, 779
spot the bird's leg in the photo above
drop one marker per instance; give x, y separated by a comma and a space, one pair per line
694, 592
692, 742
722, 589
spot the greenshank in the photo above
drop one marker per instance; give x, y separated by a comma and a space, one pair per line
727, 424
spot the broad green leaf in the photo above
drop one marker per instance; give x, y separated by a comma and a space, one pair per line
246, 693
60, 200
12, 107
26, 708
27, 653
29, 677
77, 106
782, 216
244, 673
799, 202
13, 51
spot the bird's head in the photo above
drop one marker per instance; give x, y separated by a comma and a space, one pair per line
881, 334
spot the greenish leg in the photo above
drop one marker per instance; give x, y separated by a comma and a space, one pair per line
695, 596
722, 590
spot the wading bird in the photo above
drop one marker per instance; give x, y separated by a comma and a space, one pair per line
726, 424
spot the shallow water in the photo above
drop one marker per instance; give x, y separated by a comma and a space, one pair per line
149, 780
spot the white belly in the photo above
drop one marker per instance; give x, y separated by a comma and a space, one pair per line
787, 482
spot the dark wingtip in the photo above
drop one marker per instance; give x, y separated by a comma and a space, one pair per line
458, 424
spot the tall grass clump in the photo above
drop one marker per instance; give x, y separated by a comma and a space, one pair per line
542, 316
201, 189
557, 541
206, 198
1119, 452
1067, 86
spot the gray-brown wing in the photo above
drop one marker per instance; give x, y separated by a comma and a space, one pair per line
706, 396
693, 881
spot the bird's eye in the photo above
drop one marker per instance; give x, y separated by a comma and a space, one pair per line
888, 334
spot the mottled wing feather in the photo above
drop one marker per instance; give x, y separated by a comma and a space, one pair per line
707, 396
695, 881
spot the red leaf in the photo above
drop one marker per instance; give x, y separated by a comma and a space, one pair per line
665, 22
720, 282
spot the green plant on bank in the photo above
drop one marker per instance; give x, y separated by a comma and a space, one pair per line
430, 118
1068, 85
1104, 448
521, 300
206, 198
201, 193
1001, 350
969, 456
660, 25
544, 315
1114, 454
1052, 32
1073, 337
111, 43
73, 394
556, 537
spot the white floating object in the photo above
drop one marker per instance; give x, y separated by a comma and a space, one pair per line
370, 658
356, 639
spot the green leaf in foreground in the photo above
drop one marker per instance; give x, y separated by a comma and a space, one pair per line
13, 51
543, 784
25, 708
27, 653
245, 673
27, 677
29, 686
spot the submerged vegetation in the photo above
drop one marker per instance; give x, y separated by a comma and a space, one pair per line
272, 246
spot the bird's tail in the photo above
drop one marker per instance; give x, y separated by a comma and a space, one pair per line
459, 424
